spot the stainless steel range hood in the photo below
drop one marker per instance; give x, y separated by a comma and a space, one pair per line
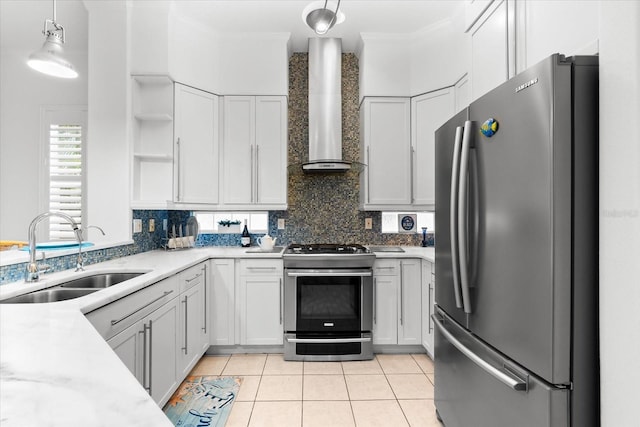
325, 107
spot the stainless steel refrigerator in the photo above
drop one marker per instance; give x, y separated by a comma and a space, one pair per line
516, 317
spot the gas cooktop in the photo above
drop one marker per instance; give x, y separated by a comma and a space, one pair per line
326, 248
325, 255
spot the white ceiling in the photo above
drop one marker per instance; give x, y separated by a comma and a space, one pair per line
22, 20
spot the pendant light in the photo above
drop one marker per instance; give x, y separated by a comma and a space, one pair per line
49, 58
322, 19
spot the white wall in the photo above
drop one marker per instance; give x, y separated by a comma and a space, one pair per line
385, 65
561, 26
620, 212
108, 154
23, 92
253, 64
439, 56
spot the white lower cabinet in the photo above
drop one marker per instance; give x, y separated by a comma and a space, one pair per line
397, 302
147, 348
193, 327
260, 296
428, 294
161, 331
222, 299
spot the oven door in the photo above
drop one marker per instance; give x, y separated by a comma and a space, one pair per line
328, 301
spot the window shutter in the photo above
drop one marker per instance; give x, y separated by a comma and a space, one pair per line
65, 178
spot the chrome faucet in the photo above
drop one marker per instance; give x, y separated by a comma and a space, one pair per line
33, 271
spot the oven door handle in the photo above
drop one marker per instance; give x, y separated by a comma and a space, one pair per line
327, 340
329, 273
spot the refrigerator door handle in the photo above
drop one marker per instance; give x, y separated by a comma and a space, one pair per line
511, 381
453, 215
462, 216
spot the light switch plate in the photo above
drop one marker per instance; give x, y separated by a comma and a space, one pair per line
368, 223
152, 225
137, 226
281, 224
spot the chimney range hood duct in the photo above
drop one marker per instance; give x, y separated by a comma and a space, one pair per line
325, 107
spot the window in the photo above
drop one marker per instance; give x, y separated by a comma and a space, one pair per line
257, 222
65, 181
424, 219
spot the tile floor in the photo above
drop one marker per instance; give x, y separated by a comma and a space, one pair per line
391, 390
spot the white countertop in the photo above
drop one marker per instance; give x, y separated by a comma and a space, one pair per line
56, 370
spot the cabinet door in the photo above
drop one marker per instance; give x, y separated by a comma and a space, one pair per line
191, 327
410, 303
162, 342
271, 150
387, 152
428, 287
222, 314
428, 113
196, 147
385, 313
238, 149
261, 310
128, 345
490, 38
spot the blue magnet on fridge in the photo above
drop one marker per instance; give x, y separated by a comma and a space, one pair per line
489, 128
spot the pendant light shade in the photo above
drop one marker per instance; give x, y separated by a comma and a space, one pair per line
49, 59
322, 19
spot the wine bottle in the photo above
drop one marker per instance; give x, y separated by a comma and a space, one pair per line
245, 240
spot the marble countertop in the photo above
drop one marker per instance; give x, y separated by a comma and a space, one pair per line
56, 370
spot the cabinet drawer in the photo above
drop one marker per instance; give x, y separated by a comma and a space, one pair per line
117, 316
261, 267
191, 277
386, 267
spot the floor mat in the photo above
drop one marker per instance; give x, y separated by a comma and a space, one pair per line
203, 400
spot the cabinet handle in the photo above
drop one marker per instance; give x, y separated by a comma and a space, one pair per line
150, 355
115, 322
401, 296
144, 358
261, 268
197, 276
368, 174
412, 160
178, 169
204, 326
253, 177
257, 174
281, 305
186, 328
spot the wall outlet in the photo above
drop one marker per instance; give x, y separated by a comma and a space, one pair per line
368, 223
137, 226
165, 224
152, 225
280, 223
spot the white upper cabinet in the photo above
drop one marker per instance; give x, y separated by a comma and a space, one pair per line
492, 50
254, 167
385, 148
196, 146
428, 113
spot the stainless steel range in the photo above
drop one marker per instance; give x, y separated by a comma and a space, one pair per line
328, 302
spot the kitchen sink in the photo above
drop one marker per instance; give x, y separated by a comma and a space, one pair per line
100, 281
48, 295
73, 288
